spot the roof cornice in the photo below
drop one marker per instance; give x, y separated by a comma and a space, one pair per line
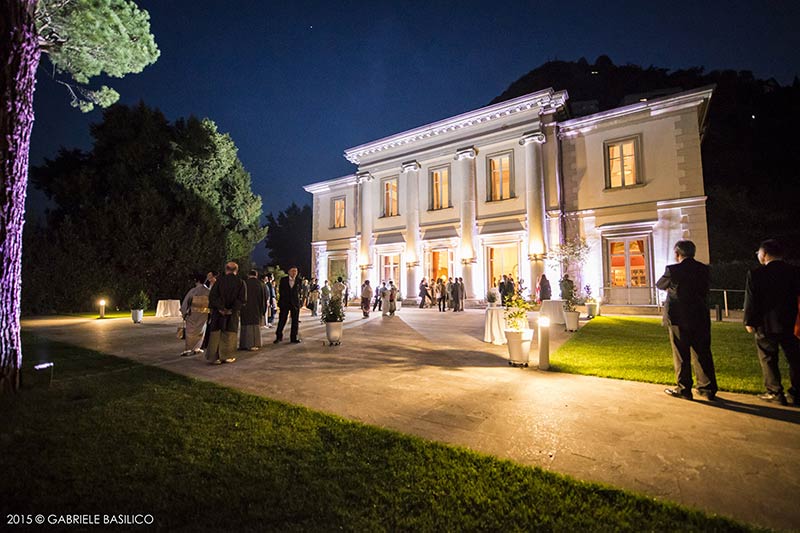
325, 186
654, 107
547, 100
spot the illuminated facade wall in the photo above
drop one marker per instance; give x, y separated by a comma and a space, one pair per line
488, 192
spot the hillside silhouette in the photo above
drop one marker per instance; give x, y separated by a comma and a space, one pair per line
750, 150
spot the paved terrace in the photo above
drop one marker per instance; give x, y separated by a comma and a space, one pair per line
429, 374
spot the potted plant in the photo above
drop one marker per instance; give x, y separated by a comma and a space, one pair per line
591, 304
492, 297
333, 316
568, 295
519, 334
138, 304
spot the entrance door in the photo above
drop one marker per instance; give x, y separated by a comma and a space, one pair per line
503, 259
390, 269
440, 265
629, 271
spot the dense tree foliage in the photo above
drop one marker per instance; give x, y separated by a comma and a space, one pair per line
289, 238
150, 204
750, 156
82, 38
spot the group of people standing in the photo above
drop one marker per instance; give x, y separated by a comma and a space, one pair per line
384, 298
446, 295
218, 311
771, 314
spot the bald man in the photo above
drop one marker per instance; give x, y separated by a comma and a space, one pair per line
226, 299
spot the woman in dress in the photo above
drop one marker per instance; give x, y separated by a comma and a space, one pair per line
366, 296
194, 310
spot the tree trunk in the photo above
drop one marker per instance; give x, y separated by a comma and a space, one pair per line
19, 58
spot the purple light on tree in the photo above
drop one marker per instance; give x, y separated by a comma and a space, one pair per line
19, 54
111, 36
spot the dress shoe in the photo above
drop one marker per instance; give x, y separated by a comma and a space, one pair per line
229, 360
187, 352
707, 394
254, 349
296, 341
773, 397
276, 341
215, 362
677, 393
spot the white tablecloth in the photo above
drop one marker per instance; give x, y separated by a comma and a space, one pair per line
168, 308
554, 309
494, 326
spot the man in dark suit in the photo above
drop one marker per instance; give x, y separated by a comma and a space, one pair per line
686, 315
770, 312
289, 292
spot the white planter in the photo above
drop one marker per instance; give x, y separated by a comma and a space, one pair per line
592, 310
333, 330
137, 315
572, 320
519, 346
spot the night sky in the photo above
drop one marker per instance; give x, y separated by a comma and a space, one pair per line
296, 83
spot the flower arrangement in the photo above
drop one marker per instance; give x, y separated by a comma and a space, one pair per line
516, 313
333, 312
139, 300
589, 298
493, 295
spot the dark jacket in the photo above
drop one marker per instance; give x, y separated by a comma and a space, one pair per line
290, 297
687, 284
228, 294
770, 297
256, 305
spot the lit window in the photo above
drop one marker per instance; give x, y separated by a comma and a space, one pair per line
440, 188
622, 168
500, 178
390, 207
338, 212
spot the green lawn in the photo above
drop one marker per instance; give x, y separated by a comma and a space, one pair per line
111, 436
638, 349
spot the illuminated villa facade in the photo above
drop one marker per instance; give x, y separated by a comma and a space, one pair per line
490, 191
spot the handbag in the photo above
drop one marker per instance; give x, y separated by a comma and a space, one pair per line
181, 333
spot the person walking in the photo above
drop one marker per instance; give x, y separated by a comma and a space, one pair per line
226, 299
194, 310
423, 292
366, 298
253, 312
289, 295
378, 304
687, 317
770, 313
441, 295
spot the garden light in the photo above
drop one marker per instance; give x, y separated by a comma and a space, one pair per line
544, 343
102, 308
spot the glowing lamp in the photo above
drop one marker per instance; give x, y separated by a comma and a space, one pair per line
102, 308
544, 343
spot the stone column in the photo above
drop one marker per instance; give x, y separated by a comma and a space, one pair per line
366, 215
413, 255
464, 179
534, 203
